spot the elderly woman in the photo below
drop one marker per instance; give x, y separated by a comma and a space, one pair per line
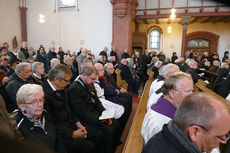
33, 122
38, 72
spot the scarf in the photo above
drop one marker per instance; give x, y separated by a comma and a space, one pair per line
106, 82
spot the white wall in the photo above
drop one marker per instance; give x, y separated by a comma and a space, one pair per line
67, 27
10, 24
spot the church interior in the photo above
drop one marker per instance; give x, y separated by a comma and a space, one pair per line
144, 36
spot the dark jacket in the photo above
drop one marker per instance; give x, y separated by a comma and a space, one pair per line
8, 69
37, 80
113, 53
166, 142
126, 74
85, 103
194, 74
35, 134
103, 53
221, 84
42, 57
56, 103
125, 55
14, 83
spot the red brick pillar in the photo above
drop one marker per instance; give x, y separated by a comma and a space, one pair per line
23, 10
123, 12
185, 22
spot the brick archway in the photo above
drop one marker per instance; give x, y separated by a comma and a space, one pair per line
213, 38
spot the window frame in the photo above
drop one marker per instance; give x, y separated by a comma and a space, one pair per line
67, 6
159, 39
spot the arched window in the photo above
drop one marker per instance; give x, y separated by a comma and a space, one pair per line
154, 39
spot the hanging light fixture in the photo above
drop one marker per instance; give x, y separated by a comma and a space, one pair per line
173, 15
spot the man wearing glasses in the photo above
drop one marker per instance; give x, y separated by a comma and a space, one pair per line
174, 89
201, 123
87, 107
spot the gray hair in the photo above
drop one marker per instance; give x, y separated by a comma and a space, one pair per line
88, 70
35, 65
107, 65
54, 61
168, 69
26, 90
172, 82
157, 63
66, 58
195, 109
59, 71
20, 67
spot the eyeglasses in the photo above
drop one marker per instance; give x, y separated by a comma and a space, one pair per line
36, 102
224, 140
185, 92
92, 78
67, 81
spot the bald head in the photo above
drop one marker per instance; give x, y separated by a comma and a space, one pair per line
98, 66
202, 109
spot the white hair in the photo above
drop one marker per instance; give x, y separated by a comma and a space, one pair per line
26, 90
168, 69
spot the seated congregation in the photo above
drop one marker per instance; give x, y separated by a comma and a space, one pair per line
56, 100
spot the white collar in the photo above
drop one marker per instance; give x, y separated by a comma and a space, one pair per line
54, 89
78, 79
37, 76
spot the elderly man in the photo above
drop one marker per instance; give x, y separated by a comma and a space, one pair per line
112, 91
23, 53
80, 59
104, 53
128, 77
200, 124
73, 133
86, 105
69, 62
174, 89
155, 90
20, 77
119, 108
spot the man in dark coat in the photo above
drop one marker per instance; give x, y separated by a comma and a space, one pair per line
5, 67
86, 105
115, 94
104, 53
20, 77
113, 53
125, 54
73, 133
127, 76
201, 123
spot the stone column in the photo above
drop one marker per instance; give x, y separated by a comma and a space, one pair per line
123, 13
185, 22
23, 10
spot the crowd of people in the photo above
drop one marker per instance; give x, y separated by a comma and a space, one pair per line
57, 98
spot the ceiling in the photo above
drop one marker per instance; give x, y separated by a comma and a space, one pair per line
213, 19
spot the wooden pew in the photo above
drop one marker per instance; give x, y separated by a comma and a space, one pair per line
201, 86
120, 83
212, 77
134, 142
